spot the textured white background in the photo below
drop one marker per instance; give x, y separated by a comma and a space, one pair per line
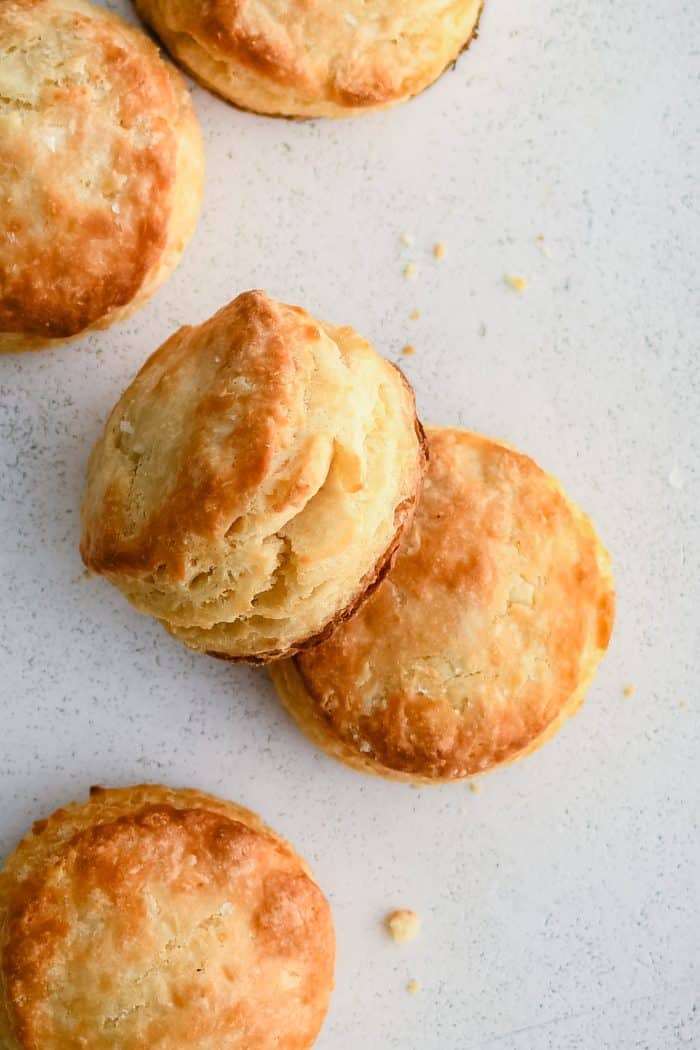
560, 904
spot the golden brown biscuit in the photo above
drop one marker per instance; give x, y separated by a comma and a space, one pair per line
483, 638
101, 170
151, 917
253, 482
314, 58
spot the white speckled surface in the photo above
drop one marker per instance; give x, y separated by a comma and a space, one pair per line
560, 904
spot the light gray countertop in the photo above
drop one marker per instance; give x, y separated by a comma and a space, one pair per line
560, 903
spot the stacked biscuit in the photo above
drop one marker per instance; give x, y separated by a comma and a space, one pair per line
430, 603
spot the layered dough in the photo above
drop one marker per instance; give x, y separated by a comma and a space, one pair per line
253, 482
483, 638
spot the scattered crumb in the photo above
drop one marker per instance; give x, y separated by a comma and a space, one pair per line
416, 786
683, 703
410, 270
629, 690
415, 314
439, 250
675, 478
475, 786
408, 350
482, 329
518, 284
544, 248
413, 986
408, 239
403, 925
125, 426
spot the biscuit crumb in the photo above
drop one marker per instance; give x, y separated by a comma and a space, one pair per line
544, 248
410, 270
403, 925
413, 986
408, 350
474, 786
439, 250
415, 314
518, 284
683, 703
629, 690
408, 239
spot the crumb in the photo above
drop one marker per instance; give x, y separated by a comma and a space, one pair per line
408, 350
482, 329
675, 478
408, 239
683, 703
403, 925
475, 786
543, 247
125, 426
415, 314
410, 270
518, 284
413, 986
629, 690
415, 785
439, 251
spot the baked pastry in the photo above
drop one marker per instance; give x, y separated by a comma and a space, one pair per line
483, 638
101, 170
314, 58
252, 484
151, 917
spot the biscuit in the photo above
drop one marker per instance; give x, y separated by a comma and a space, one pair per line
152, 917
314, 58
253, 482
101, 170
483, 638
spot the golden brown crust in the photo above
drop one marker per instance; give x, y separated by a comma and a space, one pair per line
482, 639
254, 480
314, 57
101, 170
157, 917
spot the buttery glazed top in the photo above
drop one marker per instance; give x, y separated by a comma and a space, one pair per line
314, 57
253, 479
486, 630
90, 117
157, 918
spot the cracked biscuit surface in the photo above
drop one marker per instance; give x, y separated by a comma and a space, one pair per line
482, 639
253, 482
101, 170
155, 917
313, 58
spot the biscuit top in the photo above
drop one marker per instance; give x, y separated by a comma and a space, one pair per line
89, 114
349, 54
173, 925
256, 469
494, 615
